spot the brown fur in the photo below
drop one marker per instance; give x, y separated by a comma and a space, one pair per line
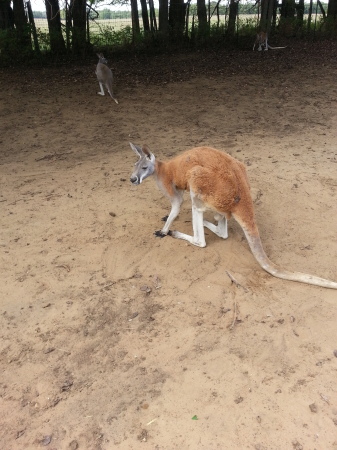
218, 179
261, 37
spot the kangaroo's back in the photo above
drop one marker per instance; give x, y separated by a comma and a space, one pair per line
104, 74
217, 178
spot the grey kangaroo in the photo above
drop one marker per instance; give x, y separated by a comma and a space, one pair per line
104, 76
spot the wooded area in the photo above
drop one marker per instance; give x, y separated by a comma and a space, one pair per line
175, 21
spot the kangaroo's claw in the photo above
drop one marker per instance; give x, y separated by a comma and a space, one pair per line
160, 234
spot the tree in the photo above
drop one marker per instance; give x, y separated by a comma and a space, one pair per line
135, 18
233, 13
310, 14
332, 17
78, 16
332, 10
288, 9
21, 25
145, 16
32, 26
267, 9
177, 18
152, 16
163, 16
57, 44
300, 12
6, 15
202, 17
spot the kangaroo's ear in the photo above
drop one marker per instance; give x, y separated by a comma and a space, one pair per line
147, 152
136, 149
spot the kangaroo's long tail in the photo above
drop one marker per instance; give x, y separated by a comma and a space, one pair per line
255, 245
275, 48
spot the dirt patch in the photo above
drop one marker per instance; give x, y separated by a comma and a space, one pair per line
112, 337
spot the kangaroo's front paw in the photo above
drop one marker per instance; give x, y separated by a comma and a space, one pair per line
164, 219
160, 234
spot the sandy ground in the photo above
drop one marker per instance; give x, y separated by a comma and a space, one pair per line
113, 338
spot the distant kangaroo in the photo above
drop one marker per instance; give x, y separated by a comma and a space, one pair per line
218, 182
262, 41
104, 76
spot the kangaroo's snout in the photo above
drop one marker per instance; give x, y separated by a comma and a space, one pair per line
134, 180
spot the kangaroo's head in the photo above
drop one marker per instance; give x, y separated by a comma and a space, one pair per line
145, 166
101, 58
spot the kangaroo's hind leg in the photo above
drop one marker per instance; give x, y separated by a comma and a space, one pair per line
221, 228
266, 44
102, 90
198, 237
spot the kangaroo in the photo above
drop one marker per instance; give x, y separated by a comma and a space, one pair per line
262, 40
218, 182
104, 76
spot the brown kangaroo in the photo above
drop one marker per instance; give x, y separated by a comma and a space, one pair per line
218, 182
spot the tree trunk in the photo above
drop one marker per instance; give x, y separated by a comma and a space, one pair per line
177, 18
6, 15
233, 13
68, 24
57, 44
145, 16
21, 25
264, 14
332, 17
288, 9
202, 17
153, 19
135, 18
87, 18
193, 28
32, 26
274, 15
310, 14
267, 11
300, 12
332, 9
78, 15
209, 16
321, 7
187, 18
163, 16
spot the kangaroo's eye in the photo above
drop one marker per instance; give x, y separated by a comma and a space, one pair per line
144, 168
